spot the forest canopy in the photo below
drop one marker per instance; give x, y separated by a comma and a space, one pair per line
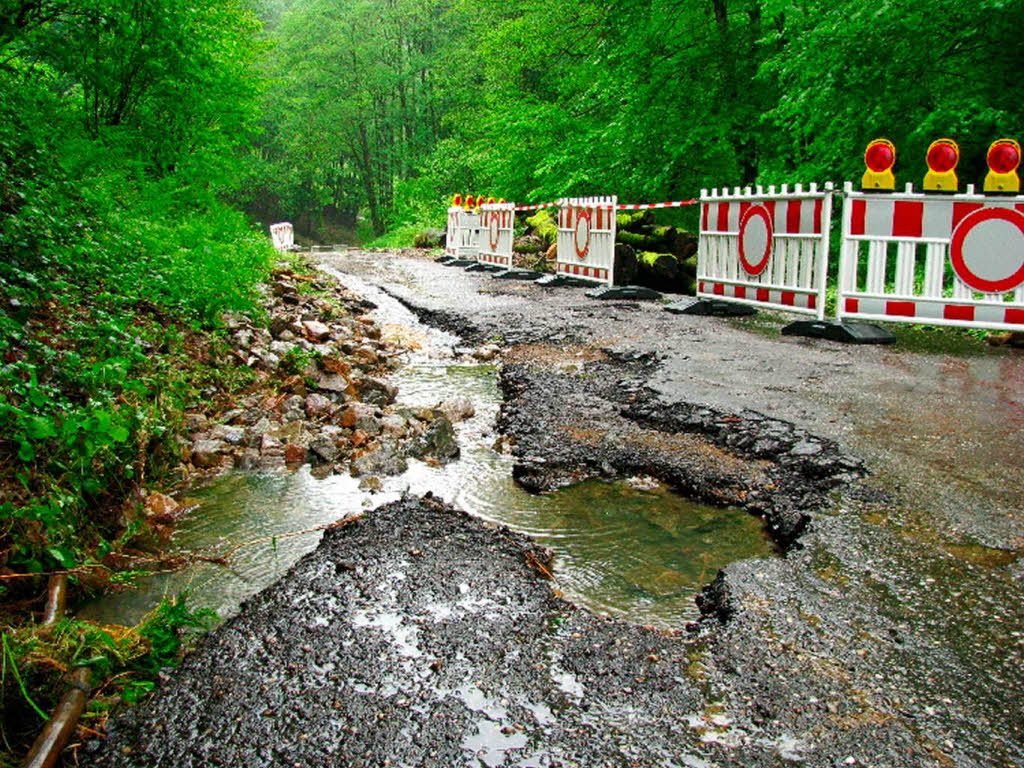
390, 106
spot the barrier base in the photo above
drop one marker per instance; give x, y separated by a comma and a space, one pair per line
710, 307
847, 333
518, 274
483, 267
460, 262
623, 292
444, 259
549, 281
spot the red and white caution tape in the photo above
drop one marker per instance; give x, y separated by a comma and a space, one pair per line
536, 207
644, 206
623, 207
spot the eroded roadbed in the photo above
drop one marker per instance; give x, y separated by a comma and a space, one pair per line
417, 635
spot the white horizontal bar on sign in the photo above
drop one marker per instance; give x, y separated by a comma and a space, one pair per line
780, 235
901, 239
755, 199
931, 299
925, 196
757, 286
754, 303
931, 321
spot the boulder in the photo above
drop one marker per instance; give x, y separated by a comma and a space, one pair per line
385, 460
375, 391
324, 448
315, 330
457, 409
360, 416
438, 440
207, 453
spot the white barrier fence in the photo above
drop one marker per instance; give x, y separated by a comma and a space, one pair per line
586, 238
766, 248
940, 260
463, 233
282, 235
498, 221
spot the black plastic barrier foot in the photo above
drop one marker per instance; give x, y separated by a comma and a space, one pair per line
623, 292
483, 267
444, 259
706, 307
847, 333
550, 281
518, 274
459, 262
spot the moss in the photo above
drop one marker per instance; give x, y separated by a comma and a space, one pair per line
544, 225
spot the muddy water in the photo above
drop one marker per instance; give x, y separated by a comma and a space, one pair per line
628, 548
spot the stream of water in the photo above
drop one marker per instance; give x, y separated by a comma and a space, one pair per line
628, 548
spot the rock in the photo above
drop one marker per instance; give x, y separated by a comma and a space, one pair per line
385, 460
161, 508
318, 405
294, 454
270, 360
315, 330
333, 383
485, 353
207, 453
334, 364
324, 448
282, 348
394, 425
806, 448
457, 409
375, 391
196, 422
366, 354
270, 446
229, 435
438, 440
360, 416
292, 432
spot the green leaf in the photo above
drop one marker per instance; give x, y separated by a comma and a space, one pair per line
40, 428
26, 452
63, 555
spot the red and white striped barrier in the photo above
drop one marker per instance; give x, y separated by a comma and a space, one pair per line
282, 235
536, 207
959, 259
498, 220
766, 248
586, 238
462, 240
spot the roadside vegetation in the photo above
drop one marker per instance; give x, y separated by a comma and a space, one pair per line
121, 244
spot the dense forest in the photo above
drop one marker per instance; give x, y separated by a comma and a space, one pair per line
387, 107
146, 144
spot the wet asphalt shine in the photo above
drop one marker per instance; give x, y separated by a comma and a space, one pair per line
888, 632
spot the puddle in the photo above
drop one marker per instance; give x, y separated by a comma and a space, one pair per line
632, 549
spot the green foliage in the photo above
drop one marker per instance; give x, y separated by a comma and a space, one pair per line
120, 125
647, 100
125, 661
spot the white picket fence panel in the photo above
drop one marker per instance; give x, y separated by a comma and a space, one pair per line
498, 221
767, 248
282, 235
972, 247
462, 240
586, 238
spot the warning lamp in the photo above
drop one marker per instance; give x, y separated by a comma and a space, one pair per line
879, 157
490, 201
503, 200
1003, 159
470, 201
457, 201
942, 158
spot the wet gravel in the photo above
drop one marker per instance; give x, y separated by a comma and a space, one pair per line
891, 633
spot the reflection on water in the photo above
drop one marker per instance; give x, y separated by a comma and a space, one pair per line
636, 550
631, 549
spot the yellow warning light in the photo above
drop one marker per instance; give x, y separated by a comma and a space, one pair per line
457, 201
470, 201
490, 201
1003, 159
879, 157
942, 158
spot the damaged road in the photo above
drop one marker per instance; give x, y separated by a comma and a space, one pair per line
890, 633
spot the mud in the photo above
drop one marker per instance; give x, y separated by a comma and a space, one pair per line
889, 635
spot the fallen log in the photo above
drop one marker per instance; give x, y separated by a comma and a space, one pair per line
631, 221
660, 265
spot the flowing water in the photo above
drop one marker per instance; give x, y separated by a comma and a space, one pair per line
628, 548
